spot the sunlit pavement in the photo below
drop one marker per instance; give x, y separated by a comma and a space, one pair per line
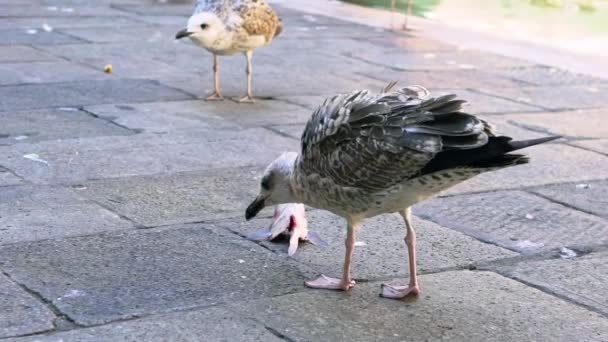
122, 194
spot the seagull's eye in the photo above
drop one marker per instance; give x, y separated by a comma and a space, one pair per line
204, 26
266, 183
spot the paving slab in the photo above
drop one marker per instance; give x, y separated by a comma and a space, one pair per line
580, 279
413, 43
261, 113
150, 34
268, 85
169, 116
334, 47
588, 196
294, 131
30, 213
21, 314
582, 123
163, 20
49, 124
184, 10
297, 18
329, 48
598, 145
383, 253
47, 72
559, 97
455, 306
178, 198
44, 3
305, 30
77, 160
66, 22
7, 178
308, 101
78, 93
478, 103
39, 37
162, 117
454, 79
62, 10
147, 64
23, 54
129, 274
516, 220
547, 76
215, 324
303, 62
549, 164
461, 59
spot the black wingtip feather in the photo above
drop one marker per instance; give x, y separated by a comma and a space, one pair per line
518, 145
494, 154
501, 161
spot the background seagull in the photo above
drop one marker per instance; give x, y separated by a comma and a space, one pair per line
365, 154
228, 27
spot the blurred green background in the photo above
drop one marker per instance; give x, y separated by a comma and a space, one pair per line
579, 25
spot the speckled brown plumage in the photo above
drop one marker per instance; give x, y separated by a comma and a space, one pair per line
260, 20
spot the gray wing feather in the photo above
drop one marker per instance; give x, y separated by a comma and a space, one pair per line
374, 141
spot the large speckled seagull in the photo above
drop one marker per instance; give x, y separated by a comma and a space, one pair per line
228, 27
364, 154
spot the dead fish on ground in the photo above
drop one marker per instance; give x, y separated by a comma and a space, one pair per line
290, 220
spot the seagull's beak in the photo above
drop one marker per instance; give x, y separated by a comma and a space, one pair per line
255, 207
183, 33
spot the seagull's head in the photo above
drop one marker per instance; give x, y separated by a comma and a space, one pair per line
203, 28
276, 186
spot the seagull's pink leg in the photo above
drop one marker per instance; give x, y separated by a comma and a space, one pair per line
216, 96
346, 283
400, 291
248, 98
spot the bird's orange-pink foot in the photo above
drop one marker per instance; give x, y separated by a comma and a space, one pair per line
216, 96
399, 291
328, 283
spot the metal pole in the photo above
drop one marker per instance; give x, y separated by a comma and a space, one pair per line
409, 12
393, 8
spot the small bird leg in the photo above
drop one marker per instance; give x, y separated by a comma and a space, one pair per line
249, 97
216, 96
401, 291
346, 283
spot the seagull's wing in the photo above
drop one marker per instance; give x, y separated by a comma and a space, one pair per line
258, 18
374, 141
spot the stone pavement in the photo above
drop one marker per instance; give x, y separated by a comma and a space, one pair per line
122, 195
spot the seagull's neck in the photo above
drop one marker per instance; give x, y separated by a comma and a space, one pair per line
294, 180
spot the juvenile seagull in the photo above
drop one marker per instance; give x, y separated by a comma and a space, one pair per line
364, 154
228, 27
